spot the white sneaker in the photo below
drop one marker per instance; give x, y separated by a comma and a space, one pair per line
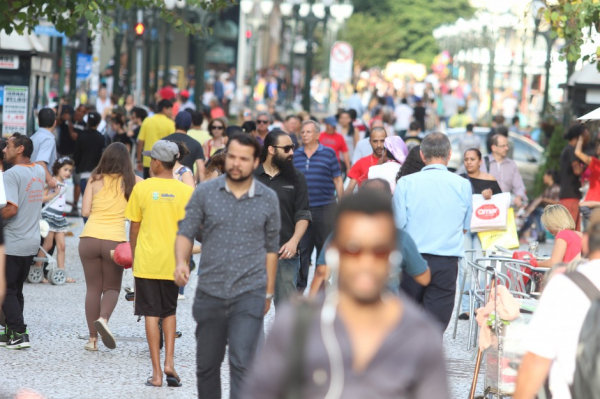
181, 297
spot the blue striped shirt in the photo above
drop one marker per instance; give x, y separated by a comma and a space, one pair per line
319, 170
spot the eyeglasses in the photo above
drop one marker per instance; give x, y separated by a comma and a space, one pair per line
354, 250
217, 128
262, 121
502, 146
286, 148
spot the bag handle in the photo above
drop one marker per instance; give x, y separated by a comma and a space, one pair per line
487, 163
584, 284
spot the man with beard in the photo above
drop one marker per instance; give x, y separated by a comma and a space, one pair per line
361, 341
240, 244
278, 172
360, 170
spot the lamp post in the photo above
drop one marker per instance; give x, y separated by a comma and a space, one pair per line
290, 9
536, 6
247, 6
148, 39
118, 42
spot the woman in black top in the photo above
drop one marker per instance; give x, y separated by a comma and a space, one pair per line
88, 149
486, 185
481, 182
118, 126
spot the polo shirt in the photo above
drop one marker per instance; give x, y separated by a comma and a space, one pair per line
434, 207
319, 170
293, 200
334, 141
360, 170
153, 129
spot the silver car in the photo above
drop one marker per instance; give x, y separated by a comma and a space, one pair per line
527, 154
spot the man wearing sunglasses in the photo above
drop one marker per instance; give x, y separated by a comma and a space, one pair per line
361, 342
263, 121
277, 171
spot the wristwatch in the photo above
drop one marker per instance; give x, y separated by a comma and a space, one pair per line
270, 296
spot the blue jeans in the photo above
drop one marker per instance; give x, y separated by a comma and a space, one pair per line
236, 321
287, 277
535, 216
471, 241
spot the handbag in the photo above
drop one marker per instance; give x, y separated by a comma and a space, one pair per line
2, 191
490, 215
507, 238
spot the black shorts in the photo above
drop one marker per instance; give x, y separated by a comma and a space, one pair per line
155, 298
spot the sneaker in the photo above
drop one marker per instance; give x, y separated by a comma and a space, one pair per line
180, 297
18, 341
3, 338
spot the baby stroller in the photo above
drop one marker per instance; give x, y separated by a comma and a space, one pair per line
56, 276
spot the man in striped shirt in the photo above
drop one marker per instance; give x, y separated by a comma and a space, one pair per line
324, 179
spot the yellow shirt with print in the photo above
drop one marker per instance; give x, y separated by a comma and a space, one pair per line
159, 204
153, 129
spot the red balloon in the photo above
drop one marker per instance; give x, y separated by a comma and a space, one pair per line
122, 256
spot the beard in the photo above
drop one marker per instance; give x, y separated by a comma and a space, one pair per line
286, 166
238, 179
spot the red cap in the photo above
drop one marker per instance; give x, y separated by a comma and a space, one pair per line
184, 93
166, 93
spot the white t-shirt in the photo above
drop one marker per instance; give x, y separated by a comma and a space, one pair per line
102, 105
553, 332
386, 171
403, 113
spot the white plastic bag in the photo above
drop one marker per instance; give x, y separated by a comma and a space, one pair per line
2, 191
490, 215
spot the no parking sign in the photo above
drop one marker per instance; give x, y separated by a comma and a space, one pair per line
341, 60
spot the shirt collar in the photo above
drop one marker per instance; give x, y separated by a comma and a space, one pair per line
44, 130
437, 166
251, 192
319, 148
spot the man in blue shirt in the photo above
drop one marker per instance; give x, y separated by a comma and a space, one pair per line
44, 144
412, 262
434, 207
324, 179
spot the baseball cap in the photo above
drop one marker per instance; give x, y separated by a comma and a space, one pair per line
184, 93
163, 150
183, 120
166, 93
330, 120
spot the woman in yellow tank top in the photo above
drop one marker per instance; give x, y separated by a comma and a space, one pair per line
104, 203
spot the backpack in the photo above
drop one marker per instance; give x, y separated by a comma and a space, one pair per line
586, 380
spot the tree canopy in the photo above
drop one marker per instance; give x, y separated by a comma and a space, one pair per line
24, 15
385, 30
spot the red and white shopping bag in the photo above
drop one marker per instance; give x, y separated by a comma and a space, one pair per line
490, 215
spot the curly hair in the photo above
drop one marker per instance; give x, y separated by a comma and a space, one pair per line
59, 163
412, 164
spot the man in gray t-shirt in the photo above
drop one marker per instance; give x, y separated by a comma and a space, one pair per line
468, 140
24, 187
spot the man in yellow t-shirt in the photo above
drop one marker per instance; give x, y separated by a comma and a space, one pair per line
155, 207
153, 129
196, 131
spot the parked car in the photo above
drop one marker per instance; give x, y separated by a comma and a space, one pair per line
527, 154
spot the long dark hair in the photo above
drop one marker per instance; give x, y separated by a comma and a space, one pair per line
412, 164
271, 140
116, 161
351, 126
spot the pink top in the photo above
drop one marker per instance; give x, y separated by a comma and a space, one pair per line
573, 244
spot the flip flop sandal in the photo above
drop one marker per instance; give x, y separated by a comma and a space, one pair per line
173, 381
150, 384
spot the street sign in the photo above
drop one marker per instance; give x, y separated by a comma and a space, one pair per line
14, 111
84, 65
9, 61
341, 60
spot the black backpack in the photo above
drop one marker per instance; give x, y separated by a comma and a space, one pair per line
586, 380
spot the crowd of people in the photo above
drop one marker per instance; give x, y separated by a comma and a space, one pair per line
365, 196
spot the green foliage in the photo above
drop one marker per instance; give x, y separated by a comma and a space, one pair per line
572, 21
385, 30
23, 16
552, 156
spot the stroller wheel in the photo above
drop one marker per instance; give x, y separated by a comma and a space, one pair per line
57, 277
36, 275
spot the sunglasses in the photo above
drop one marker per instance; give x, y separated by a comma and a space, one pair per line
217, 128
286, 148
354, 250
260, 121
